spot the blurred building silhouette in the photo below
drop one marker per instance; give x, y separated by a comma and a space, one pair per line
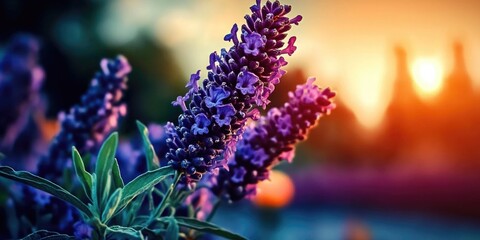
435, 135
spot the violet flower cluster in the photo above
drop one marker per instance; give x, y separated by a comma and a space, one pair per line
239, 80
88, 123
272, 139
21, 78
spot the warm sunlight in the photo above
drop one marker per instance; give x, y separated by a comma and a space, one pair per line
427, 74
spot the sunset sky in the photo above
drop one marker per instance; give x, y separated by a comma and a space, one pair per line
347, 44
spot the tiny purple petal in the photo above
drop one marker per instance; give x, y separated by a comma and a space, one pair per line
201, 124
296, 20
284, 125
216, 95
224, 114
192, 84
259, 157
212, 59
239, 175
290, 49
180, 102
253, 43
246, 82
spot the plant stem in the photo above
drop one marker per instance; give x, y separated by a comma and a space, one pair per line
163, 204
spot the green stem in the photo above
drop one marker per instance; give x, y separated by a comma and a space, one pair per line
163, 204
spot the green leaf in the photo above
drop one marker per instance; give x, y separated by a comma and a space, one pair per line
172, 229
46, 235
104, 166
151, 157
117, 176
95, 208
144, 182
84, 176
112, 205
44, 185
119, 232
207, 227
132, 209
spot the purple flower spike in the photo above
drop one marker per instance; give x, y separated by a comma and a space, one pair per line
217, 94
273, 139
253, 43
201, 124
224, 114
87, 124
21, 78
239, 81
246, 81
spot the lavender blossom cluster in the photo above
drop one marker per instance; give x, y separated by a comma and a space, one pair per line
239, 80
21, 78
87, 124
271, 140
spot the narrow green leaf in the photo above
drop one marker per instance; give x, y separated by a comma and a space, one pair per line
152, 159
116, 175
132, 209
144, 182
84, 176
46, 235
44, 185
104, 166
96, 207
207, 227
112, 205
119, 232
172, 229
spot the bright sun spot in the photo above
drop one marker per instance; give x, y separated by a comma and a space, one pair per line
427, 74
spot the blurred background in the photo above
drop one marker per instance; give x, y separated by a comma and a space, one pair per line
399, 158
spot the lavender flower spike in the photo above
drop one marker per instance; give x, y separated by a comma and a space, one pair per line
88, 123
21, 78
271, 140
239, 80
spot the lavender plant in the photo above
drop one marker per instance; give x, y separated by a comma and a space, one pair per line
239, 80
21, 78
271, 140
209, 130
87, 124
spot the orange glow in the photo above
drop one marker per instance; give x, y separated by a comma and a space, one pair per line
276, 192
427, 74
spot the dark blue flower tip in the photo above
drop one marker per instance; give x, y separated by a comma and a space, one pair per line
246, 82
201, 124
232, 35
